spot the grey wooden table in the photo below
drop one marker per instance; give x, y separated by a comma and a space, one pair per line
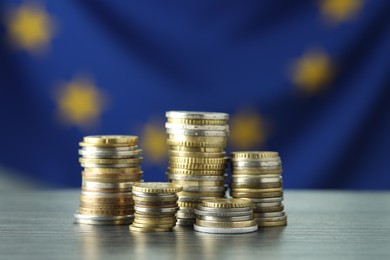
322, 224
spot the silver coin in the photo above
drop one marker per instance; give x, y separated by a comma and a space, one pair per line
223, 214
193, 199
154, 195
196, 154
185, 215
104, 222
269, 214
267, 205
107, 194
107, 185
116, 154
266, 200
109, 149
224, 219
203, 189
225, 230
155, 210
77, 215
193, 132
197, 127
197, 115
272, 219
195, 178
187, 210
252, 164
185, 222
255, 179
114, 165
210, 209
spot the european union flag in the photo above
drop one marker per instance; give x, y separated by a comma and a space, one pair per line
309, 79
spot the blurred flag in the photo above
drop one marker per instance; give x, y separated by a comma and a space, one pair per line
310, 79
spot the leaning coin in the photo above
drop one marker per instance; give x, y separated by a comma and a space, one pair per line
225, 230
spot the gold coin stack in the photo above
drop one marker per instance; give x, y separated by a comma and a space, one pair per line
197, 160
155, 206
111, 168
257, 176
225, 216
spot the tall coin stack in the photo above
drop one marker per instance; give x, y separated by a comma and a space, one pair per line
257, 176
197, 160
111, 168
225, 216
155, 206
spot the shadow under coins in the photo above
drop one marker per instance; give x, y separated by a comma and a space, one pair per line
100, 242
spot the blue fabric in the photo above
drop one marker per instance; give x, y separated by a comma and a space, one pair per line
153, 56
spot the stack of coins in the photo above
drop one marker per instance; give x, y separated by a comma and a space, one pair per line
257, 176
197, 160
225, 216
111, 168
155, 206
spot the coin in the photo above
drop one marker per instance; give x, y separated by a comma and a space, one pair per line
188, 121
256, 194
257, 171
225, 230
225, 224
110, 154
199, 183
224, 219
147, 229
155, 210
268, 209
107, 185
185, 222
152, 225
215, 209
112, 172
97, 140
255, 185
214, 166
196, 160
105, 212
227, 203
272, 223
157, 187
104, 222
224, 214
174, 126
204, 189
269, 214
196, 149
201, 194
254, 154
110, 161
208, 144
197, 154
196, 177
197, 115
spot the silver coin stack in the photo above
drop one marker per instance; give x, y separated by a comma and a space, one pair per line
197, 160
257, 176
225, 216
111, 168
155, 206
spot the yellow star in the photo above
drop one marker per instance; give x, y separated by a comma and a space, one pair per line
247, 130
339, 10
80, 102
30, 27
154, 141
312, 71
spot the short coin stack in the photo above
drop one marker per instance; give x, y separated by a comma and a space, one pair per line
225, 216
197, 160
111, 168
155, 206
257, 176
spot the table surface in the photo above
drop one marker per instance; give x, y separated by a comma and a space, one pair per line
322, 224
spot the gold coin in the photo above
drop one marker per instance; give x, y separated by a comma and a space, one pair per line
157, 187
196, 149
112, 171
268, 209
111, 180
257, 171
227, 203
199, 183
159, 221
208, 167
120, 200
188, 204
254, 195
189, 121
109, 206
154, 225
201, 194
196, 160
271, 223
226, 224
110, 161
196, 172
154, 199
255, 185
254, 155
149, 229
106, 212
197, 154
248, 190
196, 144
198, 139
109, 140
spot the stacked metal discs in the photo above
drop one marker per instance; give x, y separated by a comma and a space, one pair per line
155, 206
225, 216
111, 168
197, 160
257, 176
